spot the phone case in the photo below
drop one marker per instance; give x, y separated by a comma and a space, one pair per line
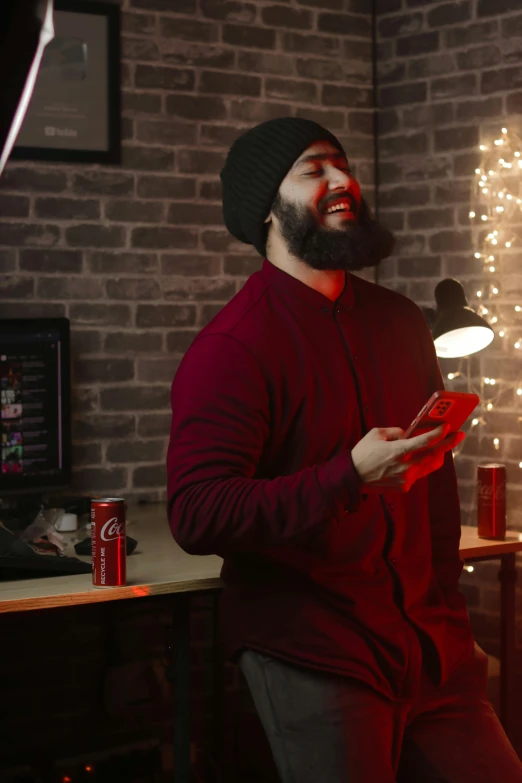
443, 407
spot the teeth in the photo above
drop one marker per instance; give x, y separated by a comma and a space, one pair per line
336, 208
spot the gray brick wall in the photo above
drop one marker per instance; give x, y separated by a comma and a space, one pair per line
450, 77
137, 256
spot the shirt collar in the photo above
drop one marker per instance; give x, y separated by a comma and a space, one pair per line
298, 291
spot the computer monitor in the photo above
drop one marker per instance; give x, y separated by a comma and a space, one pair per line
35, 405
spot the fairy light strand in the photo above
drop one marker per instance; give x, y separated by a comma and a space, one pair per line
495, 211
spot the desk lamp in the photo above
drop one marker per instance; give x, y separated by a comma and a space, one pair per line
457, 329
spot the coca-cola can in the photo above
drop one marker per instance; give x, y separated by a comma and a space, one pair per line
109, 554
491, 501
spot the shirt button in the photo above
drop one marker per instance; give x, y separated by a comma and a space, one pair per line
325, 309
355, 358
339, 311
391, 506
366, 408
393, 561
346, 510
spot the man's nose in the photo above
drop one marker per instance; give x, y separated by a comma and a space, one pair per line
340, 179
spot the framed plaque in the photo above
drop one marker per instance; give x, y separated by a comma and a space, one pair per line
74, 113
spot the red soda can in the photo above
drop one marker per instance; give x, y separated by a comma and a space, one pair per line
491, 501
109, 554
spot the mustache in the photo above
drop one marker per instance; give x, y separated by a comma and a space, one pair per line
346, 196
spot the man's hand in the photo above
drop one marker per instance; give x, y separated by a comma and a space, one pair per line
384, 460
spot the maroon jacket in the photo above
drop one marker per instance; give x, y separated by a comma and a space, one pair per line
267, 404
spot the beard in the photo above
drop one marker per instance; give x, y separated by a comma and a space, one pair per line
351, 248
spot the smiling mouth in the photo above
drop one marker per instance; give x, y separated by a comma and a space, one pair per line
343, 211
342, 207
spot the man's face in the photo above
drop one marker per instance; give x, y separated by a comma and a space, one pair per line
321, 182
321, 217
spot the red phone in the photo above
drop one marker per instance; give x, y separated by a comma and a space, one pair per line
443, 407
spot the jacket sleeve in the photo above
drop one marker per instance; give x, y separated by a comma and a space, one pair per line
220, 428
443, 498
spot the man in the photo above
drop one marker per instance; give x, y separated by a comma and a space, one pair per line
340, 539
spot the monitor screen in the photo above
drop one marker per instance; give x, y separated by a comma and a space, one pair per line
35, 419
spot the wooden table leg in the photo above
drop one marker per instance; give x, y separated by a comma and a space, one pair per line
218, 707
181, 683
508, 577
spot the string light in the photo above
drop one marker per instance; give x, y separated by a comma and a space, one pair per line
496, 200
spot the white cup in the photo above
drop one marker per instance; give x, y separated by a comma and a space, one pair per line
67, 523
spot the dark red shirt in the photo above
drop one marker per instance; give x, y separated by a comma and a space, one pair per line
267, 404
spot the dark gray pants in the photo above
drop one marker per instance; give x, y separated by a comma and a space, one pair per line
324, 727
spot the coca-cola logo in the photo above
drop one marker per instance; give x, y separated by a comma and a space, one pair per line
490, 492
112, 529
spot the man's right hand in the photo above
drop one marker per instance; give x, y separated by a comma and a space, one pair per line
384, 460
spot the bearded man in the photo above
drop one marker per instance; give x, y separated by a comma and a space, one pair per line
340, 538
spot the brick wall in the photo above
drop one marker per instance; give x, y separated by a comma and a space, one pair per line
450, 76
137, 256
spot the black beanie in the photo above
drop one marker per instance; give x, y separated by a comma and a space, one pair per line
256, 165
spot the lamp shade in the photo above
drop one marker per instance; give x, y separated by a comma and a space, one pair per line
458, 330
